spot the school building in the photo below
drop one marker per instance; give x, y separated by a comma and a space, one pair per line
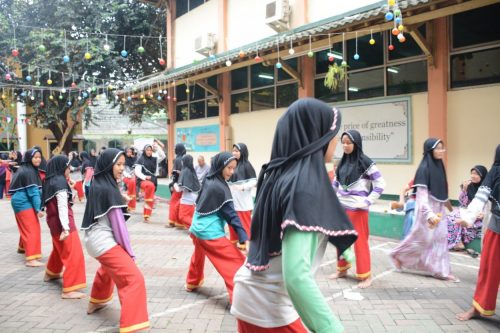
233, 67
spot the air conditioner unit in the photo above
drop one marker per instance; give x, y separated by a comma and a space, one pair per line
278, 15
205, 43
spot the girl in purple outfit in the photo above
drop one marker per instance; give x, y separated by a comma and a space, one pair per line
426, 247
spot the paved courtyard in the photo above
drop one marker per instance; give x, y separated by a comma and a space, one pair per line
397, 302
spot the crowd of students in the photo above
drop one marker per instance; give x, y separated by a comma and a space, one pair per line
275, 243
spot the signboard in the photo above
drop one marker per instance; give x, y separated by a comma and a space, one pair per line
199, 138
385, 126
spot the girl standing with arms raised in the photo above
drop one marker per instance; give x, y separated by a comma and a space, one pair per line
358, 184
107, 240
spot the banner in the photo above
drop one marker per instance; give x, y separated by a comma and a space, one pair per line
199, 138
385, 126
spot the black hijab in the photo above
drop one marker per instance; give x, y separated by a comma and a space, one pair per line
130, 160
148, 163
188, 178
104, 192
18, 160
285, 198
93, 160
215, 192
473, 187
492, 182
244, 170
354, 165
75, 160
43, 164
55, 181
27, 174
85, 158
431, 172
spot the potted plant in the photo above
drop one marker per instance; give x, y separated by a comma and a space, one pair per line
335, 76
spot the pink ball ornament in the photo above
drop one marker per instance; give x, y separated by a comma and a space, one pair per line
15, 53
161, 61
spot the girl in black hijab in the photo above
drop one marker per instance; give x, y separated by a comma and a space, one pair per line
42, 168
488, 280
75, 165
294, 217
175, 200
458, 236
107, 240
25, 189
214, 208
129, 177
358, 184
66, 259
426, 247
241, 184
190, 186
145, 171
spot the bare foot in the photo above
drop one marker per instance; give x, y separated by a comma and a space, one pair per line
95, 307
146, 219
396, 263
73, 295
467, 315
338, 275
365, 283
34, 263
47, 277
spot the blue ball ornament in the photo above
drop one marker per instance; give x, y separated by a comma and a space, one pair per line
212, 57
85, 94
389, 16
23, 94
124, 53
28, 78
158, 98
356, 56
398, 19
66, 59
129, 98
279, 65
69, 103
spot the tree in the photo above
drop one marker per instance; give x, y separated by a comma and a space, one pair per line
61, 111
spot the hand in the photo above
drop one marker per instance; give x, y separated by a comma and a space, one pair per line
462, 223
465, 184
40, 214
148, 177
64, 235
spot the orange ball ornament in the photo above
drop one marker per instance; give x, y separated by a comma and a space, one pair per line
395, 31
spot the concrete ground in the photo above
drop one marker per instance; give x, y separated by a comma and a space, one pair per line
397, 302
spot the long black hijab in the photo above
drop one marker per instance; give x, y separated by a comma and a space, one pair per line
285, 198
43, 164
188, 178
180, 150
472, 188
55, 181
85, 158
215, 192
104, 192
431, 172
354, 165
244, 170
27, 174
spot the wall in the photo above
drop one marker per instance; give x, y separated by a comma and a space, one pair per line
320, 9
473, 118
36, 138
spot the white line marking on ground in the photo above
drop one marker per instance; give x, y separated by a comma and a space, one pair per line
188, 306
371, 248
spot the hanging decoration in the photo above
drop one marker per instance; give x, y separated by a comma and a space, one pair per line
106, 46
124, 52
278, 64
87, 55
257, 57
356, 55
310, 54
331, 56
140, 49
161, 61
390, 47
291, 51
372, 41
49, 81
15, 51
66, 58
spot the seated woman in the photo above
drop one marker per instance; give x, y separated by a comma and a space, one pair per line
459, 236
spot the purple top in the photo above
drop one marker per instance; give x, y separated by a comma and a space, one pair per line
120, 231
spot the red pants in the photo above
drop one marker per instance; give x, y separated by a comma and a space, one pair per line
131, 191
485, 297
173, 212
246, 222
359, 219
295, 327
226, 259
68, 254
31, 234
186, 213
79, 190
117, 267
149, 197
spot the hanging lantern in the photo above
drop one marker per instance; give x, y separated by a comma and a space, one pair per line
124, 53
291, 51
356, 56
310, 54
279, 65
41, 48
331, 57
372, 41
37, 83
141, 49
257, 58
228, 63
161, 61
395, 31
88, 56
391, 47
15, 53
66, 59
389, 16
28, 78
49, 82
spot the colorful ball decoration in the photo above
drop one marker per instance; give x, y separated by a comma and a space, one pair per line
141, 96
3, 96
401, 27
32, 98
85, 94
344, 63
228, 63
61, 97
93, 89
28, 78
106, 48
66, 59
391, 2
69, 103
291, 51
397, 12
258, 58
391, 47
279, 65
356, 56
401, 39
124, 53
159, 98
331, 57
41, 48
211, 57
389, 16
395, 31
398, 19
129, 98
51, 97
372, 41
63, 91
144, 100
161, 61
87, 56
49, 82
42, 104
15, 53
241, 54
8, 77
37, 83
79, 98
310, 54
141, 49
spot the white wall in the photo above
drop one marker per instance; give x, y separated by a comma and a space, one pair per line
321, 9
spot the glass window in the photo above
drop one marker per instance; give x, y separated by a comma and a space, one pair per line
474, 68
263, 99
239, 78
212, 82
325, 94
181, 7
409, 48
194, 3
197, 110
262, 75
240, 103
282, 75
196, 92
286, 95
322, 61
369, 55
181, 112
212, 107
476, 26
407, 78
366, 84
180, 93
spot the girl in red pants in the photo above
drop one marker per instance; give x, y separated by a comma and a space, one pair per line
145, 171
190, 186
175, 200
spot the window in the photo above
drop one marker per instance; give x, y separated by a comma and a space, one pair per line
197, 110
478, 26
475, 68
283, 75
286, 95
325, 94
366, 84
262, 75
322, 61
263, 99
198, 103
212, 107
369, 55
239, 78
184, 6
407, 49
407, 78
240, 103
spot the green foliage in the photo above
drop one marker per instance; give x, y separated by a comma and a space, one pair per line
335, 76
